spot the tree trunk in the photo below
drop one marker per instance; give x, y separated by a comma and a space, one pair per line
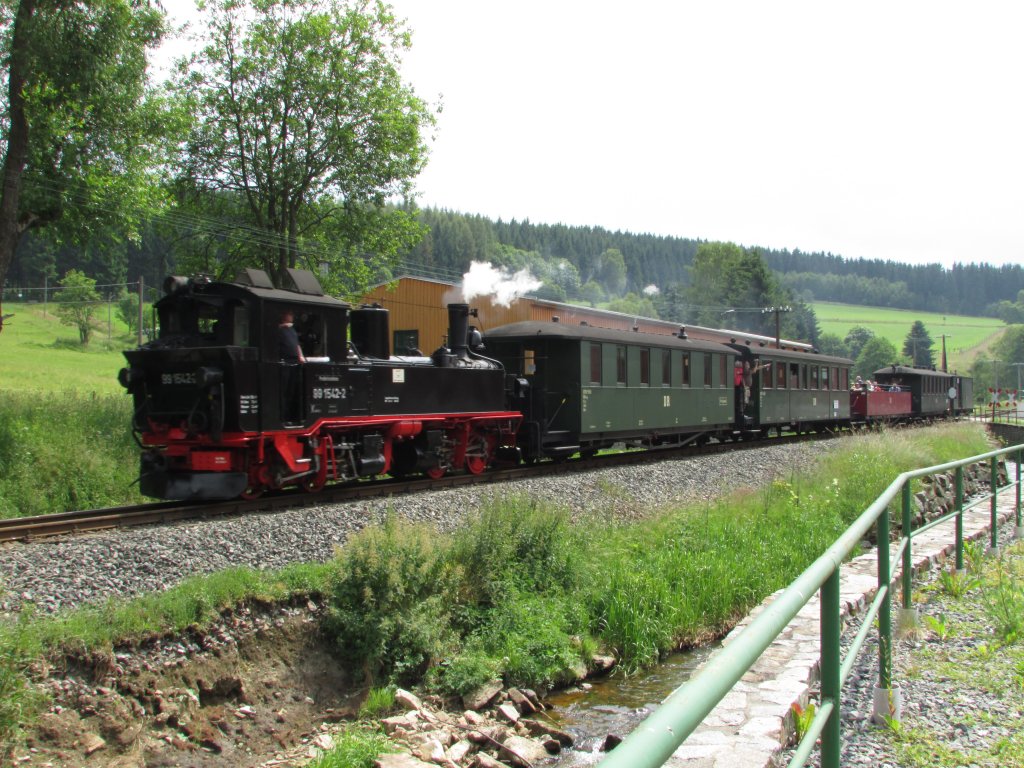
17, 139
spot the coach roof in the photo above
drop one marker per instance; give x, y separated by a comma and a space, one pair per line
532, 329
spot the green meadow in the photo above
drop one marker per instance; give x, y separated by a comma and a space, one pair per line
38, 354
65, 437
966, 336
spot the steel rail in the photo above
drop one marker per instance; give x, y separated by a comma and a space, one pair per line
84, 521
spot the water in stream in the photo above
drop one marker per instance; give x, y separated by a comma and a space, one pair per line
616, 705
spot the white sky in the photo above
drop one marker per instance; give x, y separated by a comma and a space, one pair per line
890, 130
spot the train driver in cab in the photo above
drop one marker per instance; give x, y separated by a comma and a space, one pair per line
290, 349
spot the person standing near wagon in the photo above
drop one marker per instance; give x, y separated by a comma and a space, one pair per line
743, 379
290, 352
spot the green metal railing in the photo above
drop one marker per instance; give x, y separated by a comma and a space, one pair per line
658, 736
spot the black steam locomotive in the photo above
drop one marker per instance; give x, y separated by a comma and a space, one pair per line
219, 413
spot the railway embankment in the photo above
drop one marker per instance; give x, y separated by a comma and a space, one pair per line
186, 689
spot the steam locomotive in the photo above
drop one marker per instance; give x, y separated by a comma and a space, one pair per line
220, 414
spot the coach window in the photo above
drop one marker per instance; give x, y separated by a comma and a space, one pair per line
794, 376
666, 367
846, 378
645, 367
814, 377
766, 375
707, 369
620, 365
824, 377
835, 379
723, 371
780, 375
803, 375
595, 363
686, 369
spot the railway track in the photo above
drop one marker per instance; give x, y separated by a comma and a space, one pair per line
162, 513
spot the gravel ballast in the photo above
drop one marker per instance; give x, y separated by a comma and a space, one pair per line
62, 573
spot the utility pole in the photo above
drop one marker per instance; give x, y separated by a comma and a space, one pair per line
142, 295
995, 389
778, 322
944, 337
1018, 367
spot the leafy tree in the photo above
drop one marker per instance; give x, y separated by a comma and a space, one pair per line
81, 132
631, 304
831, 344
1000, 371
613, 271
877, 353
592, 293
564, 274
670, 302
303, 129
727, 281
77, 303
918, 346
856, 338
128, 310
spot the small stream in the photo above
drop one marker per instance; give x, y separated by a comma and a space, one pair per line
616, 705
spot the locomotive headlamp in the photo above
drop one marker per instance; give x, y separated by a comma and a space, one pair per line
208, 377
128, 377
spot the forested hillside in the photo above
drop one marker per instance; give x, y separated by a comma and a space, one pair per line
456, 239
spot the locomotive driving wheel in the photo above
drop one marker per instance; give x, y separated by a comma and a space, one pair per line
313, 483
253, 492
259, 481
479, 451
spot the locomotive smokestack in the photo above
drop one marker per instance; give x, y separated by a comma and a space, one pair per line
458, 329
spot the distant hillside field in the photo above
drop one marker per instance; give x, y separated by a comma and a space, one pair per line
38, 354
966, 336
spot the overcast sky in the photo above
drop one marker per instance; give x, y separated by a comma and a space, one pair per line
881, 130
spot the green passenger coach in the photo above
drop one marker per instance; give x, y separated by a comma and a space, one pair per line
584, 388
794, 391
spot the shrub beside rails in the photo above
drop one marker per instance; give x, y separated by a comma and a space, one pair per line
223, 408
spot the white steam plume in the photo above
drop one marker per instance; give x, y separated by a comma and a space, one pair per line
651, 290
504, 287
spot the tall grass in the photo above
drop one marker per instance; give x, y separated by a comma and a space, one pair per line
60, 452
523, 594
